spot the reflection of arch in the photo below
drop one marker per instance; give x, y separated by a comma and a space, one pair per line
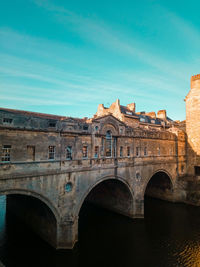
119, 179
160, 171
35, 195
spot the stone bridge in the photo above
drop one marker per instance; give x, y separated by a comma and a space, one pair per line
50, 202
50, 165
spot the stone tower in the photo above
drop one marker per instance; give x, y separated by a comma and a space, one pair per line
193, 123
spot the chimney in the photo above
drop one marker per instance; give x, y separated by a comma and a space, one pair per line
131, 107
117, 102
162, 114
100, 110
195, 81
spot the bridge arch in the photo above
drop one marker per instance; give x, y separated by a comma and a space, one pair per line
33, 194
159, 185
113, 193
34, 210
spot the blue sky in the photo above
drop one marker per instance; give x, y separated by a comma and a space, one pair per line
66, 57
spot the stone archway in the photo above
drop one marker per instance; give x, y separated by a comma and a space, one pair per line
35, 211
34, 194
160, 185
113, 194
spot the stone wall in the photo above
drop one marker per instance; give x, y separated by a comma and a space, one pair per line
148, 144
192, 124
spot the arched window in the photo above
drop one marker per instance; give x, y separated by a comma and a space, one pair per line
108, 144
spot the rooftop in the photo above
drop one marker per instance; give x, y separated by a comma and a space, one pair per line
40, 115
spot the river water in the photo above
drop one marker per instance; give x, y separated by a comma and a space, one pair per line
168, 236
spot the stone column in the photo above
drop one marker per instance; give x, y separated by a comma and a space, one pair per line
67, 233
138, 208
180, 191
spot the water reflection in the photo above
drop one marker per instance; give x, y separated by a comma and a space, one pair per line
169, 236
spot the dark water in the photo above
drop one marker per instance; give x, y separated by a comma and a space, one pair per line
168, 236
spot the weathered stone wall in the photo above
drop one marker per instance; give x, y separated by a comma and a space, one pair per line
19, 140
192, 124
149, 144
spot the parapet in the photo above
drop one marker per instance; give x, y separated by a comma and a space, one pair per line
151, 114
195, 81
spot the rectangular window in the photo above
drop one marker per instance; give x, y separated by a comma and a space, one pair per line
85, 127
182, 168
121, 151
108, 144
52, 124
128, 151
85, 152
145, 151
197, 170
96, 152
137, 151
31, 153
69, 152
7, 120
114, 147
159, 151
51, 152
6, 153
102, 146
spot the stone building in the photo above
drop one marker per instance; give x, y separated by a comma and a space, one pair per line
193, 126
130, 117
51, 164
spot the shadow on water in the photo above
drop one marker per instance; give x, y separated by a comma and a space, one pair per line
169, 236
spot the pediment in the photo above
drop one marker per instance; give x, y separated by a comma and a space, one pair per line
110, 118
110, 123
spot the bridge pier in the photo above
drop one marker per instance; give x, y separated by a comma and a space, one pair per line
61, 234
138, 208
67, 234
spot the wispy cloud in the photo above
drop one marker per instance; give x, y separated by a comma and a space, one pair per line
33, 101
185, 28
53, 84
55, 71
100, 33
58, 86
